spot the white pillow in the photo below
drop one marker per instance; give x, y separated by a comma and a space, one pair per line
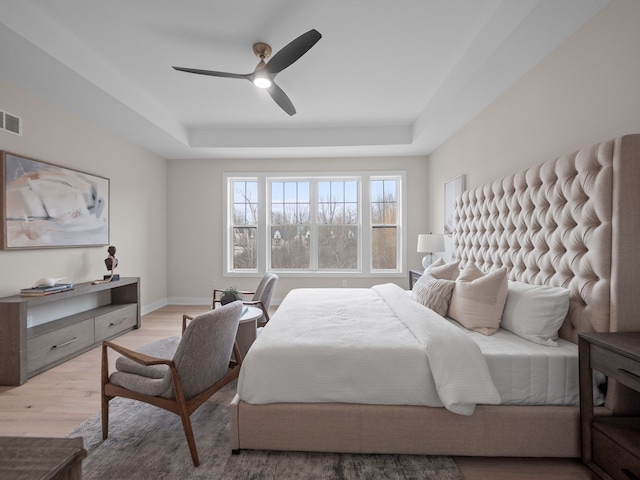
478, 299
535, 312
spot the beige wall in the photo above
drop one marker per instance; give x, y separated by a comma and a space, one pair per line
137, 200
196, 221
585, 92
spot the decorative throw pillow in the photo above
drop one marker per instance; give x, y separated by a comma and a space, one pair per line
535, 312
446, 271
478, 299
434, 288
434, 293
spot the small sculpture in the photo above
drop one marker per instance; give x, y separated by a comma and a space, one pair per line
111, 262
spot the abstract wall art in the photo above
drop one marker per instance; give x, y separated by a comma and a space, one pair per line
48, 206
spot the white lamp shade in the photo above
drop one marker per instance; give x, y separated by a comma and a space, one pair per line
430, 242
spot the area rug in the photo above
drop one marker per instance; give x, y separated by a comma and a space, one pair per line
146, 442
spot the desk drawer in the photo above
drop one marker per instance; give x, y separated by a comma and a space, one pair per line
621, 368
116, 321
56, 345
616, 461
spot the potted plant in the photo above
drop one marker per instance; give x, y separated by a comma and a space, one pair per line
229, 295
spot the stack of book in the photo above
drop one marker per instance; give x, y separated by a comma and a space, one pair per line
40, 291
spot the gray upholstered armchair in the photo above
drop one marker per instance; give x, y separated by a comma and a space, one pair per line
261, 297
177, 374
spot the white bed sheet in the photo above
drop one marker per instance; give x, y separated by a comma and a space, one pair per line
526, 373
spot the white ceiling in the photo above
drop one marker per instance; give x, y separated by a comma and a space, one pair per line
387, 78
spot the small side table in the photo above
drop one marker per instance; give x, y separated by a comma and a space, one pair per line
414, 275
610, 445
247, 330
26, 458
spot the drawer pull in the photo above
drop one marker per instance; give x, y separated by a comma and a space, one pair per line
74, 339
628, 474
118, 322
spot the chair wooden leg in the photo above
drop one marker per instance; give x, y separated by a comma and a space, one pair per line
183, 411
105, 417
188, 431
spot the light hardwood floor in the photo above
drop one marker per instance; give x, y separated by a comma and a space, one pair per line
53, 403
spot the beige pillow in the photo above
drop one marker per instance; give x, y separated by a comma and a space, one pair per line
446, 271
434, 288
434, 293
478, 299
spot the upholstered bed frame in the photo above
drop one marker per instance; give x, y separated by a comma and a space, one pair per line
570, 222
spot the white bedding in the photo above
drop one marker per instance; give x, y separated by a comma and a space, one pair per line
527, 373
373, 346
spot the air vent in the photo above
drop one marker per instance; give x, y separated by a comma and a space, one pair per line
10, 123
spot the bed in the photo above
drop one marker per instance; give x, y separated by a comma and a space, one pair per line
568, 223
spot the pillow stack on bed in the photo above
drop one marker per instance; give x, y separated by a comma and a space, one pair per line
484, 302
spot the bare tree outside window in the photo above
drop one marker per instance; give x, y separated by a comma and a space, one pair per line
290, 225
338, 225
244, 224
384, 224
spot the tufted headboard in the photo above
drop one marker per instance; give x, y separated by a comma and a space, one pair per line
571, 222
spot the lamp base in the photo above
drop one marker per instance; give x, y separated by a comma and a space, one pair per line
427, 260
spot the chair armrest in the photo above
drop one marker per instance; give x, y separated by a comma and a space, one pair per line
138, 357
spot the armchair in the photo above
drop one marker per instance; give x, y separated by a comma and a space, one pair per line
261, 297
176, 374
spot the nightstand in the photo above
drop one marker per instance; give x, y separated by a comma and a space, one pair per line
414, 275
610, 445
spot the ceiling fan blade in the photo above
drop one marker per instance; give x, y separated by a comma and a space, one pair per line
213, 73
292, 52
281, 99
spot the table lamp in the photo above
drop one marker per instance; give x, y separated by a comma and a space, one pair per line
429, 243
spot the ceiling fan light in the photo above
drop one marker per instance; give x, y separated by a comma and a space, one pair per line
262, 82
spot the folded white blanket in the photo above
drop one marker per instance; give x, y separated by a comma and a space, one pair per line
363, 346
459, 370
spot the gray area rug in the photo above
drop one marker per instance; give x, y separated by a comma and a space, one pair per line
146, 442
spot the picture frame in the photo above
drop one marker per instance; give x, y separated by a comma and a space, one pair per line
452, 188
49, 206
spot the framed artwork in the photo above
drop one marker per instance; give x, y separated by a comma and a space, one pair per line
452, 188
48, 206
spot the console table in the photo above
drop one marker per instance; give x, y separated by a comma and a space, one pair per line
26, 351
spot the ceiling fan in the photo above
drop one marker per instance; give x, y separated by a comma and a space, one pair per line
264, 74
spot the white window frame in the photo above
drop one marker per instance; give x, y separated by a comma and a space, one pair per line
364, 260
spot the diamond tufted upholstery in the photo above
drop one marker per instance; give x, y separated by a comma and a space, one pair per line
570, 222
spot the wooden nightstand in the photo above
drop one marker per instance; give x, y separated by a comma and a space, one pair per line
610, 445
414, 275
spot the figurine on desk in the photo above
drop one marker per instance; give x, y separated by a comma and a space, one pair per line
111, 263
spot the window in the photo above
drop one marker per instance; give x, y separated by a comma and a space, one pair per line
244, 224
384, 224
290, 225
314, 224
338, 225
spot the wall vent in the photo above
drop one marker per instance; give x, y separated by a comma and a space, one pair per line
10, 123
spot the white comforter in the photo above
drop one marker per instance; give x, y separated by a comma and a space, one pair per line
372, 346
